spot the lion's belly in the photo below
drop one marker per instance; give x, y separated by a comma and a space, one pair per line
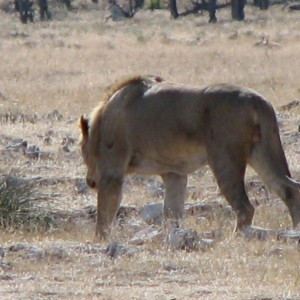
181, 162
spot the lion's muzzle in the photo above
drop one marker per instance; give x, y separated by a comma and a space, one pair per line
91, 183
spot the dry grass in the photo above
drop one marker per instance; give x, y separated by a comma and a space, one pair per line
66, 65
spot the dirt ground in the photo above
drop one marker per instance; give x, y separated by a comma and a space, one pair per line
52, 72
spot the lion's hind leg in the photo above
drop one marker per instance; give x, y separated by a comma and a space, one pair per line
228, 165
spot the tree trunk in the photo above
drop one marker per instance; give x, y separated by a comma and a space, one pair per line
44, 11
173, 8
237, 10
264, 4
212, 11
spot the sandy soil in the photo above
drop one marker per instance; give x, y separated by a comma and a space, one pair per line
66, 65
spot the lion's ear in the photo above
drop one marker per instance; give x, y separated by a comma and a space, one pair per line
84, 125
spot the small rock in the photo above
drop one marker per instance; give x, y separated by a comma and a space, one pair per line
294, 7
13, 182
46, 155
55, 115
169, 266
18, 146
126, 211
116, 13
152, 213
28, 251
136, 241
156, 189
205, 244
135, 225
114, 249
150, 233
35, 254
261, 234
56, 252
198, 208
183, 239
88, 248
20, 247
214, 234
81, 186
68, 140
6, 266
66, 148
33, 152
291, 235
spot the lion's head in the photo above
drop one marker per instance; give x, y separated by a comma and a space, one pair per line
91, 127
88, 159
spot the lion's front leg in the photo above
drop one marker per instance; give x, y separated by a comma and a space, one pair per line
109, 199
175, 193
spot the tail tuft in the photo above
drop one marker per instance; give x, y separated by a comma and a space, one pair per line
291, 182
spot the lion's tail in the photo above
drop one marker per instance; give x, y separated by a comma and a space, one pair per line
267, 156
291, 182
268, 159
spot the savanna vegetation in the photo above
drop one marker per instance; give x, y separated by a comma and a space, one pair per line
52, 72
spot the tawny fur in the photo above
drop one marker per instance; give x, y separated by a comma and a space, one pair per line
150, 126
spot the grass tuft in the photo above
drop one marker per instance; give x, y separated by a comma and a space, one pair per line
20, 207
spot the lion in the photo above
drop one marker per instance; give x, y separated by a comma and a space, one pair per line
150, 126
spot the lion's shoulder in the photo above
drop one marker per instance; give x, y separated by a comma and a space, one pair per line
142, 83
146, 81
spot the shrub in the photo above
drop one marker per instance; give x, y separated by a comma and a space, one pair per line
20, 206
156, 4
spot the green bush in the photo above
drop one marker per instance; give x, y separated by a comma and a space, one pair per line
156, 4
20, 206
